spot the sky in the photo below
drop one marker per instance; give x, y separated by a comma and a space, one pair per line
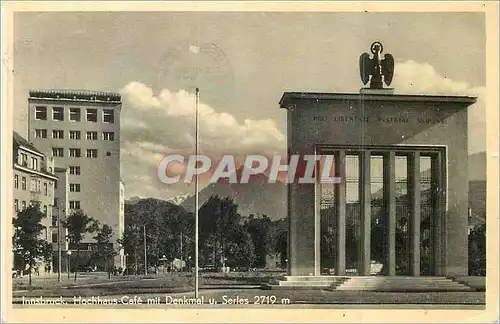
242, 62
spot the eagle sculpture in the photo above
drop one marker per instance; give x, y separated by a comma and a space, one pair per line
376, 67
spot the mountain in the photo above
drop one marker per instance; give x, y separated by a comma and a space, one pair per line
477, 188
149, 204
178, 200
477, 166
255, 197
133, 200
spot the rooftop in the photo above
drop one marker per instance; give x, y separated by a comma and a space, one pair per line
21, 141
76, 95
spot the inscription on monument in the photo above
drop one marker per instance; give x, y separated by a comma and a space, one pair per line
378, 119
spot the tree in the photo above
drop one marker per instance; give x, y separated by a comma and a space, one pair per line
164, 223
239, 248
78, 224
477, 251
218, 217
104, 248
28, 245
282, 247
130, 243
259, 230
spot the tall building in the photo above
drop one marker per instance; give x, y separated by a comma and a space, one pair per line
34, 182
81, 131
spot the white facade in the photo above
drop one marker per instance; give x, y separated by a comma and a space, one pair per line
81, 131
34, 182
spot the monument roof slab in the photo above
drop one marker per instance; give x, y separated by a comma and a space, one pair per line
289, 97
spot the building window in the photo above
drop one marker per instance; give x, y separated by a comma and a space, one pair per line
92, 153
74, 187
74, 204
40, 133
34, 163
75, 152
74, 169
23, 183
16, 205
45, 210
92, 136
59, 134
45, 189
23, 205
33, 185
108, 136
55, 218
57, 152
54, 236
41, 113
24, 159
74, 114
108, 116
92, 115
58, 113
16, 181
76, 135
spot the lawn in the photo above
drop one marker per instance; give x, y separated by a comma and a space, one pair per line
100, 285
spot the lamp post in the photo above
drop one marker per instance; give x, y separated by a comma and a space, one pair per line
59, 252
182, 268
196, 204
68, 263
145, 253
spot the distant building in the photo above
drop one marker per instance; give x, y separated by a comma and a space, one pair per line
81, 131
34, 182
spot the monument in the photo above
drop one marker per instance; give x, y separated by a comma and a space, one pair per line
401, 207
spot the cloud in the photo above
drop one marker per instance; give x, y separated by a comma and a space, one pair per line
157, 124
415, 77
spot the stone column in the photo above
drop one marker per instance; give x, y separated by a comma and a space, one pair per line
390, 211
437, 218
414, 196
340, 202
364, 257
317, 223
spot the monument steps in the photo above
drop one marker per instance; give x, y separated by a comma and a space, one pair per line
305, 282
476, 282
400, 284
368, 283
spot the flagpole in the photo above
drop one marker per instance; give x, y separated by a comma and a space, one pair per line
196, 278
